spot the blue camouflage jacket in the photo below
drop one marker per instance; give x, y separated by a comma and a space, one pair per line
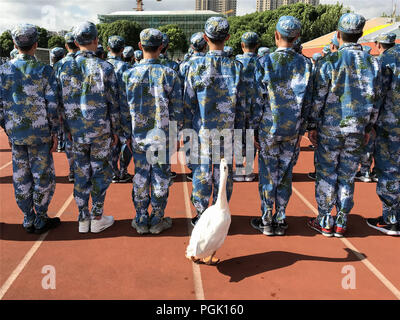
214, 95
184, 67
346, 91
28, 101
154, 96
389, 117
90, 97
169, 63
286, 82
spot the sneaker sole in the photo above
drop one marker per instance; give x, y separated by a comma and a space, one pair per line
103, 228
338, 235
168, 226
383, 230
328, 235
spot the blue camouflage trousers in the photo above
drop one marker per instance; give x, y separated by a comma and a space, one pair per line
69, 153
93, 175
387, 163
122, 153
337, 160
276, 160
367, 155
34, 181
150, 186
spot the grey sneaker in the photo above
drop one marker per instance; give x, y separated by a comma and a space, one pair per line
164, 224
140, 229
267, 229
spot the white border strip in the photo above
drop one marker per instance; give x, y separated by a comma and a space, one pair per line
362, 258
17, 271
6, 165
198, 284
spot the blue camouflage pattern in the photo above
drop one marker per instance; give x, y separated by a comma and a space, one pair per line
138, 55
388, 38
151, 37
288, 26
351, 23
250, 38
262, 51
216, 28
197, 41
335, 40
228, 51
85, 33
116, 42
128, 52
13, 54
25, 35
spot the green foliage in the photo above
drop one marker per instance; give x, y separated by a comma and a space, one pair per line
316, 21
129, 30
6, 44
177, 38
43, 37
56, 41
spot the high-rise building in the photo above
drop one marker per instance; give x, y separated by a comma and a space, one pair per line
263, 5
227, 7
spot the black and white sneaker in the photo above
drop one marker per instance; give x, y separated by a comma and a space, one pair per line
386, 228
115, 179
312, 175
366, 177
195, 219
173, 175
51, 223
189, 176
71, 177
280, 228
258, 224
126, 177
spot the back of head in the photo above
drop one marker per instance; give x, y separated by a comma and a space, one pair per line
289, 28
25, 36
351, 26
217, 29
250, 40
151, 39
56, 54
70, 41
198, 42
262, 51
116, 43
128, 52
85, 33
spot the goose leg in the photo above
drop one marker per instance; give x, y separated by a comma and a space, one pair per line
211, 260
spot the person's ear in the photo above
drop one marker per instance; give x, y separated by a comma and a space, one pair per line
140, 46
206, 38
227, 37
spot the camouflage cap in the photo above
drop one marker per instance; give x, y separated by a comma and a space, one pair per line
250, 38
367, 49
116, 43
288, 26
388, 38
165, 40
217, 28
326, 49
151, 37
99, 50
128, 52
316, 56
263, 51
138, 54
197, 41
190, 50
352, 23
69, 37
85, 33
228, 50
57, 53
186, 57
25, 35
14, 52
335, 40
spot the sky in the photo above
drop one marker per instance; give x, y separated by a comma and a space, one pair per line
58, 15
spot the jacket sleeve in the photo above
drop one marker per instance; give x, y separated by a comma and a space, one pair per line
307, 104
52, 100
176, 103
189, 100
125, 114
113, 103
240, 116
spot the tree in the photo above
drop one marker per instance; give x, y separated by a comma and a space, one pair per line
6, 44
43, 37
316, 21
177, 38
56, 41
129, 30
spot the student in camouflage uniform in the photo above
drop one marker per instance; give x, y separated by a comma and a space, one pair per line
56, 54
72, 49
91, 115
251, 65
199, 46
345, 108
164, 57
387, 149
100, 53
262, 51
128, 55
161, 102
334, 45
120, 151
138, 56
13, 53
228, 51
213, 99
286, 82
28, 113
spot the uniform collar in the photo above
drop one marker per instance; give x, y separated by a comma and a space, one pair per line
351, 46
284, 49
249, 54
24, 56
149, 61
114, 58
86, 53
216, 53
198, 54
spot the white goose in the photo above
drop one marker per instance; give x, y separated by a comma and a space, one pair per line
211, 229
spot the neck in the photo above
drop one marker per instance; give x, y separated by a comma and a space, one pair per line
216, 47
151, 55
222, 200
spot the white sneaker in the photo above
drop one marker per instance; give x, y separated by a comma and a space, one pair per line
164, 224
102, 224
250, 177
238, 178
84, 226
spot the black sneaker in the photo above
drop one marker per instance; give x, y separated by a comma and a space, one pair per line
115, 179
312, 175
366, 177
189, 176
30, 229
125, 178
173, 174
374, 177
51, 223
195, 219
267, 229
71, 177
387, 228
280, 228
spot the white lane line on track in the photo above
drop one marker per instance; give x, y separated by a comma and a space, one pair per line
6, 165
361, 257
198, 284
25, 260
